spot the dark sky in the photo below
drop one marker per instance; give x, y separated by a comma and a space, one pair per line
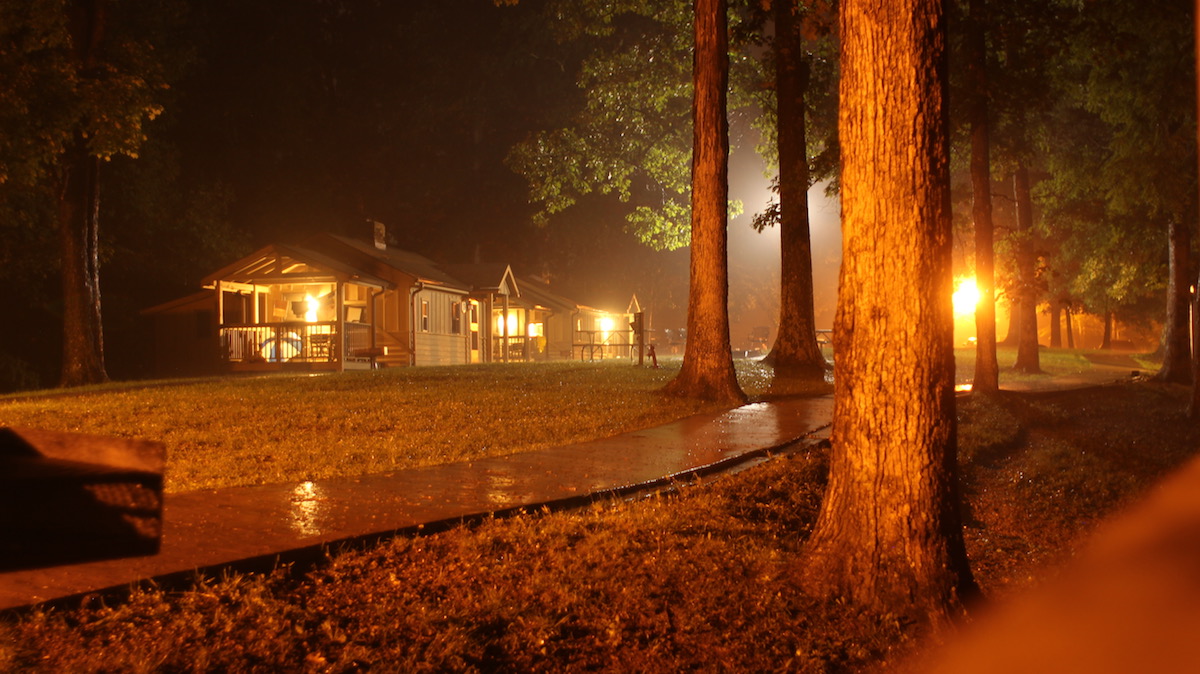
323, 114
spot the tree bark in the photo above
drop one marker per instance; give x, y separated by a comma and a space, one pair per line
987, 370
795, 354
1070, 326
1176, 342
1028, 359
1056, 323
79, 224
707, 372
1194, 404
888, 536
1106, 340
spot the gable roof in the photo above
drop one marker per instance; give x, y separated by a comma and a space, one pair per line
494, 278
539, 293
367, 255
278, 263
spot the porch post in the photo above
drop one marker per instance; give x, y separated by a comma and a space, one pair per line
488, 351
504, 327
224, 355
341, 326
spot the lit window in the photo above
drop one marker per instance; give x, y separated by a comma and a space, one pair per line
424, 315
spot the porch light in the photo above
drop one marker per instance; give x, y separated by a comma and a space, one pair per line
313, 305
512, 324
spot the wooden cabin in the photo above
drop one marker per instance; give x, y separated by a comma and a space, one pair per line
336, 304
572, 330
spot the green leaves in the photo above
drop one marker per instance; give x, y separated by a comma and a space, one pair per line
50, 92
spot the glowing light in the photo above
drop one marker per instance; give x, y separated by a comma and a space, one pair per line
966, 297
512, 324
313, 305
606, 324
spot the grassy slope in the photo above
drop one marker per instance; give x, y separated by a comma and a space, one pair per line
698, 580
235, 431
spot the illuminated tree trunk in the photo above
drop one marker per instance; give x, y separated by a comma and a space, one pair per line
987, 370
1177, 352
795, 354
707, 371
78, 224
888, 535
1028, 358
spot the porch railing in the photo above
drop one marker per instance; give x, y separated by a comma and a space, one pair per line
601, 344
280, 343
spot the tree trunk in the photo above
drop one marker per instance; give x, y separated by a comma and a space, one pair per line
1028, 359
707, 371
987, 370
79, 224
795, 354
888, 536
1176, 342
1014, 324
1056, 323
1070, 325
1106, 340
1194, 405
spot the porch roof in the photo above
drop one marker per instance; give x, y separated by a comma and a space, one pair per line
278, 263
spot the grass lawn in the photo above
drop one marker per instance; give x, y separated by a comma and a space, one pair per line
698, 580
260, 430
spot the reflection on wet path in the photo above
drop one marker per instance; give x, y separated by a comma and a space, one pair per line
209, 528
306, 508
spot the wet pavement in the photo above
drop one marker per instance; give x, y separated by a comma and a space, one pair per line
260, 527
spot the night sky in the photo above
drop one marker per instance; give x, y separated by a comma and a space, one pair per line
403, 112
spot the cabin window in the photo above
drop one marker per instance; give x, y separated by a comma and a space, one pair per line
424, 315
456, 318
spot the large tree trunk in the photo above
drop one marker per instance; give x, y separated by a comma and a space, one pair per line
987, 370
1194, 405
707, 371
1176, 342
79, 224
1106, 339
795, 354
889, 535
1028, 359
1070, 325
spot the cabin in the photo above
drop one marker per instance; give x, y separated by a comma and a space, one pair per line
334, 303
331, 304
577, 331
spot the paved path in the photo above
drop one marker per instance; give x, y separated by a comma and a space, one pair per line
257, 527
